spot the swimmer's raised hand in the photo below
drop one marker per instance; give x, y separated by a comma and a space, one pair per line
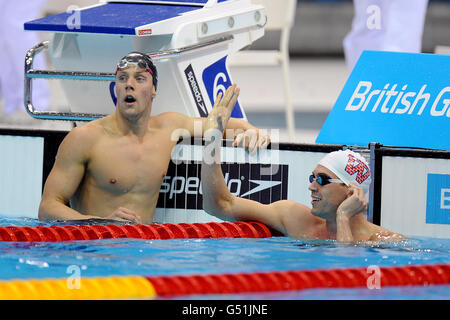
222, 108
251, 139
124, 214
354, 204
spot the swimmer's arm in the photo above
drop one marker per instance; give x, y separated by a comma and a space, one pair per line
243, 133
284, 216
223, 106
354, 204
343, 230
219, 202
65, 178
217, 199
196, 127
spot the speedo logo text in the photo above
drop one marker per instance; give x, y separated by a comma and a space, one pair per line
181, 187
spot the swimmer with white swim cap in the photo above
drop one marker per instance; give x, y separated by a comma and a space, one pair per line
350, 168
339, 187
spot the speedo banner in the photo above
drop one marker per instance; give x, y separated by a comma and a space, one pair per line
392, 98
181, 187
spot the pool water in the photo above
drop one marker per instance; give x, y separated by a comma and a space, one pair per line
24, 260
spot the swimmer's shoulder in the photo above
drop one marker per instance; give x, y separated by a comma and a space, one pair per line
291, 207
84, 136
169, 119
291, 211
297, 219
386, 235
378, 233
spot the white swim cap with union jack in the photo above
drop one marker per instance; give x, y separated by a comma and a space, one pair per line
350, 167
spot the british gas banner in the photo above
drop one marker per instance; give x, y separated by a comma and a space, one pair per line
396, 99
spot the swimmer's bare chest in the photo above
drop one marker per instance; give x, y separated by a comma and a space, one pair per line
125, 172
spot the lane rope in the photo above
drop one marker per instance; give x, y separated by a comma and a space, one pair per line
162, 286
128, 287
240, 229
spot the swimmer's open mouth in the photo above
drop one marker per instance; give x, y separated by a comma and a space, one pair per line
129, 99
315, 200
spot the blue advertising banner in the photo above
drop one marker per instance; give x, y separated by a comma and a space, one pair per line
438, 199
393, 98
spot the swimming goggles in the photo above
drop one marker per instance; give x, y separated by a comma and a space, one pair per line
323, 179
140, 60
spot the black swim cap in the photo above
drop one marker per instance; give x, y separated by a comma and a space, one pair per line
143, 61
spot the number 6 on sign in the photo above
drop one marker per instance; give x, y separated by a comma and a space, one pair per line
216, 79
219, 88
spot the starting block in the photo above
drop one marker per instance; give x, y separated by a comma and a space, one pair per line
188, 40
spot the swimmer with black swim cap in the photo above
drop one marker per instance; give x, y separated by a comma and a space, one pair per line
136, 83
140, 60
113, 167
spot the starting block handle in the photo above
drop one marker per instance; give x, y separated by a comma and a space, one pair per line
31, 74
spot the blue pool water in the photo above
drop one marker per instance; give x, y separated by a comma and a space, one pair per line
23, 260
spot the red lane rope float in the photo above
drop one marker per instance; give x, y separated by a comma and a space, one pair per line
114, 287
424, 275
238, 229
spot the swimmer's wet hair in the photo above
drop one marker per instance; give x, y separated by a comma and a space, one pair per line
143, 61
